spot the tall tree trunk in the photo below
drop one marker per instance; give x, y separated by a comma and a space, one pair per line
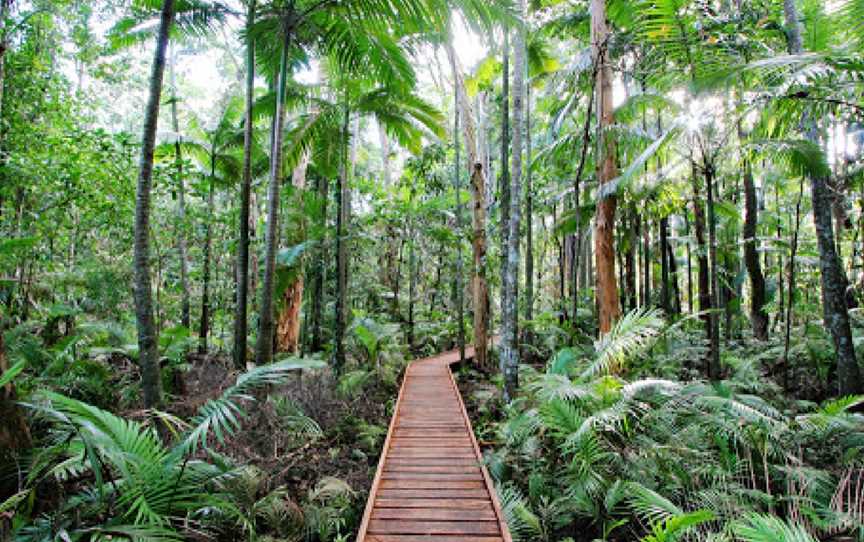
264, 344
412, 276
457, 185
689, 257
341, 306
185, 318
529, 221
478, 191
713, 317
604, 220
793, 251
504, 186
318, 280
646, 263
665, 304
673, 275
703, 277
204, 329
834, 308
148, 339
510, 291
630, 264
242, 277
288, 322
758, 316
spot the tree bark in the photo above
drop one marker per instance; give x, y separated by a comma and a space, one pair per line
204, 329
504, 186
264, 344
457, 185
318, 280
148, 339
665, 304
529, 220
182, 253
288, 322
758, 316
480, 292
510, 298
714, 368
834, 308
703, 277
604, 220
341, 306
242, 277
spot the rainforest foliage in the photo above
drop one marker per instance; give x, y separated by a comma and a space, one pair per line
227, 226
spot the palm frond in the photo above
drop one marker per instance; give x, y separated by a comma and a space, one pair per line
765, 528
221, 417
631, 335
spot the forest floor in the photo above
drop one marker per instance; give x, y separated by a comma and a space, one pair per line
352, 429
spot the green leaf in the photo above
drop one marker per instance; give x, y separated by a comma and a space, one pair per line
10, 373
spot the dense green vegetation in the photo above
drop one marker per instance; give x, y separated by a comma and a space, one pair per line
227, 227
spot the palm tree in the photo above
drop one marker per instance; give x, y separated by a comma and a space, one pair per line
604, 220
242, 278
148, 353
836, 314
195, 17
355, 36
509, 296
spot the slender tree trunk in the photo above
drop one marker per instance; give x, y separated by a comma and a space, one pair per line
673, 272
510, 297
478, 190
646, 263
689, 257
412, 276
529, 221
264, 344
703, 280
242, 277
504, 179
793, 251
204, 329
713, 317
148, 339
318, 280
341, 306
665, 304
185, 318
758, 316
457, 184
630, 264
834, 308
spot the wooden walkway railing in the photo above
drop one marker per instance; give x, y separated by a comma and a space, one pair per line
431, 485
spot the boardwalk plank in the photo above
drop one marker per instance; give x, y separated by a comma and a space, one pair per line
431, 485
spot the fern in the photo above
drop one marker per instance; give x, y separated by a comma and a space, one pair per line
631, 335
522, 522
765, 528
673, 528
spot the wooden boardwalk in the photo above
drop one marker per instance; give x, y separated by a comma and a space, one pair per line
430, 485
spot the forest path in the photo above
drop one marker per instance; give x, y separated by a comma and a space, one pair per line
431, 485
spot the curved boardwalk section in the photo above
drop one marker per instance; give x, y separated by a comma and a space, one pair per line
430, 485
